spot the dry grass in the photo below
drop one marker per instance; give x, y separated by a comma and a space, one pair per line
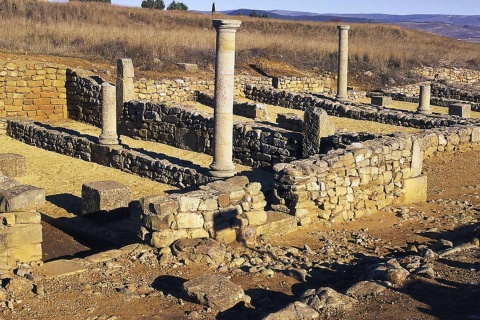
106, 32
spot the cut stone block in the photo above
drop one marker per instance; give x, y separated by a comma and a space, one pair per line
415, 190
463, 110
381, 101
104, 196
20, 235
277, 223
26, 253
61, 268
315, 126
21, 197
12, 165
6, 183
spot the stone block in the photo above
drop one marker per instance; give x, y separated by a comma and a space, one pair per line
256, 218
417, 159
226, 235
6, 183
104, 196
381, 101
463, 110
189, 220
415, 190
21, 197
12, 165
277, 223
20, 235
25, 253
29, 217
315, 126
166, 238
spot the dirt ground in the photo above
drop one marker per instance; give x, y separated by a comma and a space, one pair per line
336, 257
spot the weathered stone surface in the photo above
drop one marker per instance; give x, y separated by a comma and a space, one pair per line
415, 190
199, 250
24, 253
104, 196
60, 268
214, 291
7, 183
315, 126
277, 223
294, 311
12, 165
390, 271
104, 256
365, 289
21, 197
326, 299
381, 100
256, 218
20, 235
463, 110
189, 220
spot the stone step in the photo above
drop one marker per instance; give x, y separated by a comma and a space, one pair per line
277, 223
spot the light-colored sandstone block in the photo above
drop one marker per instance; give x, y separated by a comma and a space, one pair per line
463, 110
415, 190
21, 197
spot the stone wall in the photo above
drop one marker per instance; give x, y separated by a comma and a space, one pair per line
218, 210
255, 145
364, 177
84, 98
451, 74
254, 111
352, 110
127, 160
34, 90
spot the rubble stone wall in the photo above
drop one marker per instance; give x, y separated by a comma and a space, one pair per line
452, 74
354, 111
218, 210
34, 90
255, 145
127, 160
364, 177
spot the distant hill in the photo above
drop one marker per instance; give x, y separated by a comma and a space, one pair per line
462, 27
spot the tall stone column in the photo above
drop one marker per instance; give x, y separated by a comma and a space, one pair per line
342, 94
125, 87
222, 165
424, 99
109, 116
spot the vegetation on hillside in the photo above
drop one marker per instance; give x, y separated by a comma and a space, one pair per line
157, 39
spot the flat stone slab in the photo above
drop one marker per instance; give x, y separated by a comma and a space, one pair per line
104, 256
61, 268
21, 197
104, 196
214, 291
12, 165
277, 223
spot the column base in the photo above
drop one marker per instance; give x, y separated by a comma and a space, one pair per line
342, 99
222, 171
425, 112
108, 141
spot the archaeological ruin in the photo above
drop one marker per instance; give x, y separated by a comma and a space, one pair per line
267, 175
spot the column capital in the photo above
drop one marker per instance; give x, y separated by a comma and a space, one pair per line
426, 84
226, 24
343, 27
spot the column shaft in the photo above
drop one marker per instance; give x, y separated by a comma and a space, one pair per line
424, 99
222, 165
109, 116
342, 81
125, 86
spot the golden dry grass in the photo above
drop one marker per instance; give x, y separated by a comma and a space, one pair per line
107, 32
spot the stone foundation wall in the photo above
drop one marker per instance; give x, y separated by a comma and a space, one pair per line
218, 210
364, 177
253, 145
452, 74
34, 90
129, 161
84, 98
354, 111
254, 111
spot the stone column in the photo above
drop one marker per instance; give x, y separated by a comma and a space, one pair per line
109, 116
125, 87
222, 165
342, 94
424, 99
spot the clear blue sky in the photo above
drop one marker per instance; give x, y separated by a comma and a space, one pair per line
453, 7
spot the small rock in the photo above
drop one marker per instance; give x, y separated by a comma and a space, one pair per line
294, 311
365, 289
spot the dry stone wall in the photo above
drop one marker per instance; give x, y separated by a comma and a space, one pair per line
127, 160
354, 111
452, 74
254, 111
34, 90
253, 144
364, 177
218, 210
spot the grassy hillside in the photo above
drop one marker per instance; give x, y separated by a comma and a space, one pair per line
156, 40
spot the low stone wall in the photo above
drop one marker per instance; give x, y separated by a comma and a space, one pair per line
254, 111
354, 111
253, 144
84, 98
452, 74
34, 90
219, 210
127, 160
323, 84
364, 177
